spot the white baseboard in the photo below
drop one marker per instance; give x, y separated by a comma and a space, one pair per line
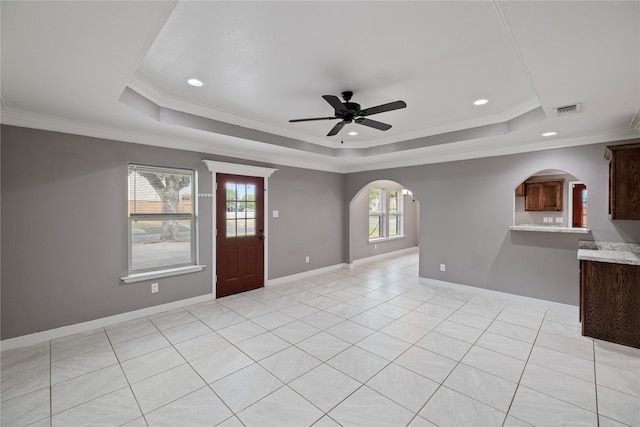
497, 294
299, 276
51, 334
383, 256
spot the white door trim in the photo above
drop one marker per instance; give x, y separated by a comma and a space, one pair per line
570, 186
245, 170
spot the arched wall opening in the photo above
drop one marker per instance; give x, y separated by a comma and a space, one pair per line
551, 198
364, 242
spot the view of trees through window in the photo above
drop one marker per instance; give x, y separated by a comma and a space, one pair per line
385, 213
241, 207
161, 217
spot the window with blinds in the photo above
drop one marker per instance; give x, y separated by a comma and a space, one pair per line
161, 217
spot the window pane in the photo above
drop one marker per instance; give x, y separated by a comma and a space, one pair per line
251, 210
159, 190
240, 210
375, 226
394, 225
393, 201
160, 243
375, 200
231, 228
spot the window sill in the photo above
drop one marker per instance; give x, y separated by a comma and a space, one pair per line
150, 275
386, 239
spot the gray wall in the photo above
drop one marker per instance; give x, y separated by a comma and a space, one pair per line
359, 225
64, 227
466, 208
310, 222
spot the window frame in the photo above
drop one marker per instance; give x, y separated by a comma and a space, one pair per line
165, 269
385, 213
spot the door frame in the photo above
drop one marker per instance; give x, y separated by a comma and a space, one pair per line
570, 185
244, 170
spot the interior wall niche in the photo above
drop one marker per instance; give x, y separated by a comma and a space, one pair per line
551, 198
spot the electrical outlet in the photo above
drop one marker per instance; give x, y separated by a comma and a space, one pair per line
307, 259
545, 219
375, 246
559, 219
154, 288
442, 267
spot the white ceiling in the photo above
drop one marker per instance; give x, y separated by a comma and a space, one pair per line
118, 70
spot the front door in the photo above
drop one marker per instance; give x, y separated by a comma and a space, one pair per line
240, 233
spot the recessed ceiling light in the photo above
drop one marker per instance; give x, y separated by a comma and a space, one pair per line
480, 101
194, 82
353, 133
549, 133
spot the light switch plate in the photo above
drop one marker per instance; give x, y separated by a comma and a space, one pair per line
276, 214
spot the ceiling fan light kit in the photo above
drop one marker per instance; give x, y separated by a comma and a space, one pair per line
350, 112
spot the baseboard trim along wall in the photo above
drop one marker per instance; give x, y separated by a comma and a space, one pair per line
385, 255
300, 276
51, 334
502, 295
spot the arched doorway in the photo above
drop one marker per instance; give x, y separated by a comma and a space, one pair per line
384, 217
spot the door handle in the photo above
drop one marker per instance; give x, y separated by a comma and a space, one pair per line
261, 237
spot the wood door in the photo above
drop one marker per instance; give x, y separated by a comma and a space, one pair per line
239, 233
579, 206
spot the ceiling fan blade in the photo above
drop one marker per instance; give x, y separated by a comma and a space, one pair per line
312, 119
396, 105
334, 101
373, 123
337, 128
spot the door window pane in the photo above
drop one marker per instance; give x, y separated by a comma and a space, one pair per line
240, 210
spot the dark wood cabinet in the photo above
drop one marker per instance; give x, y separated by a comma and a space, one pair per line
624, 181
520, 190
610, 302
543, 195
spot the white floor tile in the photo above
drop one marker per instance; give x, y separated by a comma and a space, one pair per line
369, 408
618, 406
560, 386
403, 386
482, 386
494, 363
283, 408
289, 364
245, 387
539, 409
323, 346
166, 387
150, 364
198, 347
426, 363
384, 345
262, 346
395, 350
325, 386
116, 408
218, 365
358, 363
201, 408
350, 331
449, 408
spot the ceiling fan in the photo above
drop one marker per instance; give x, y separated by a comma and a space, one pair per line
350, 112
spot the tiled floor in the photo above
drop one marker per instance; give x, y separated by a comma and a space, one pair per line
362, 347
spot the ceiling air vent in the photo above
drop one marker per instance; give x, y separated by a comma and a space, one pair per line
568, 109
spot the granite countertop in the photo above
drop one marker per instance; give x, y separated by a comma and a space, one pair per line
611, 252
549, 228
